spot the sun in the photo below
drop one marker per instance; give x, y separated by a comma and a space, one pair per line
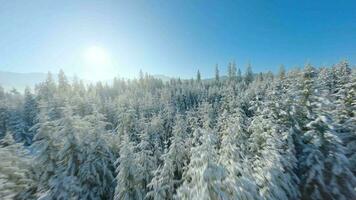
96, 55
98, 64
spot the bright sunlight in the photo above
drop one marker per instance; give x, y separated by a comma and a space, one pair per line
96, 55
98, 64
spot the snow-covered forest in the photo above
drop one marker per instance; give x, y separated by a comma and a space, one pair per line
289, 135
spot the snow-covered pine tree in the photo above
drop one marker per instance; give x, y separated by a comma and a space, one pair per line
217, 75
14, 169
168, 177
239, 182
204, 176
3, 113
158, 137
202, 119
248, 74
128, 185
47, 89
344, 109
30, 112
45, 148
145, 159
271, 166
65, 184
324, 169
96, 171
63, 85
16, 125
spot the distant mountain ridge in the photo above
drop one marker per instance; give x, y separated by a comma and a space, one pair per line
19, 81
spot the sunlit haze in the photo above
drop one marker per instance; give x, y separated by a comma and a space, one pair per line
98, 64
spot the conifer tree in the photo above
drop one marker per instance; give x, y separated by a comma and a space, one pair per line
233, 156
14, 169
217, 76
168, 177
204, 177
198, 77
128, 185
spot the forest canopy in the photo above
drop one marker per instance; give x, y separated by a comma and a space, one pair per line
289, 135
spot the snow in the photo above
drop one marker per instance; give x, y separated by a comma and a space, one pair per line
256, 136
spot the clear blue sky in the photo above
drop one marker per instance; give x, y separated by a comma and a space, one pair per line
175, 38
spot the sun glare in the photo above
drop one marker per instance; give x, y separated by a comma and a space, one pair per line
96, 55
98, 64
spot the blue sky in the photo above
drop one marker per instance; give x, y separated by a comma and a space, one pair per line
174, 38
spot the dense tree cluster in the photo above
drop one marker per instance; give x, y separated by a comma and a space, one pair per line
280, 136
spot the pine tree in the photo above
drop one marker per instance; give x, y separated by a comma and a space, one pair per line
47, 89
45, 147
168, 177
239, 181
273, 169
63, 84
14, 169
198, 77
145, 160
239, 75
229, 71
3, 114
233, 71
204, 176
128, 185
324, 168
30, 112
96, 172
217, 76
282, 72
65, 184
344, 110
16, 125
248, 74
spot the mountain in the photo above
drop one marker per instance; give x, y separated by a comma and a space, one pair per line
19, 81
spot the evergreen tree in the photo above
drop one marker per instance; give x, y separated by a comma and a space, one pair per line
229, 71
282, 72
14, 169
239, 181
273, 169
45, 149
145, 160
168, 177
217, 76
128, 185
65, 184
324, 167
30, 112
239, 75
96, 171
249, 74
233, 71
204, 176
198, 77
63, 84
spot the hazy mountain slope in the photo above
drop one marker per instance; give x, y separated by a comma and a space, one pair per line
10, 80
